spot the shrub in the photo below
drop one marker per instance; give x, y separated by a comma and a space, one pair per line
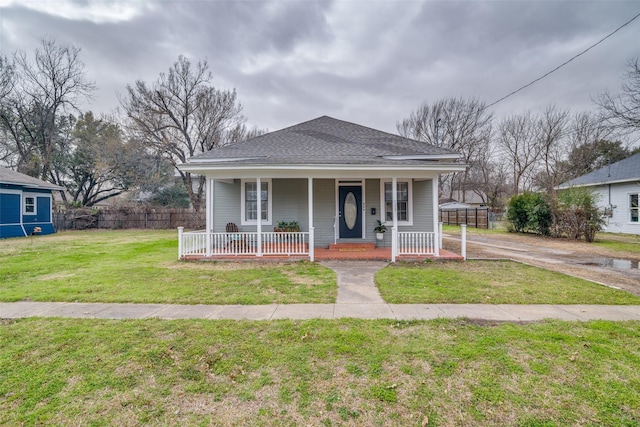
529, 212
576, 214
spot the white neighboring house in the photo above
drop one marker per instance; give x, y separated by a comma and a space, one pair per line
618, 188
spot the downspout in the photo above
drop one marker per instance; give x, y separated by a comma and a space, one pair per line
21, 207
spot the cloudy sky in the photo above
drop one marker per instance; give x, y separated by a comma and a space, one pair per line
369, 62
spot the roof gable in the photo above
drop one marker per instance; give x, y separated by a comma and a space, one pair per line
625, 170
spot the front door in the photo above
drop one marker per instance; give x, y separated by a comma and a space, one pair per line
350, 214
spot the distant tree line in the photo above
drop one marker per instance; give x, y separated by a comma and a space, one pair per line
520, 160
44, 134
524, 152
163, 123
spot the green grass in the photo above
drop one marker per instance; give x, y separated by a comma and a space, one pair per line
490, 282
455, 229
340, 372
619, 242
142, 267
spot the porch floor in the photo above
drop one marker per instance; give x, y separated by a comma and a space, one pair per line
324, 254
378, 254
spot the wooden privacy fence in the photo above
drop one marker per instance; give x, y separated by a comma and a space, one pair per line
472, 217
127, 218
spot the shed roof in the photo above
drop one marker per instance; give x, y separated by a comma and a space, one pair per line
623, 171
8, 176
325, 141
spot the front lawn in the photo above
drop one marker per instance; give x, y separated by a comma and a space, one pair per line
142, 267
338, 372
490, 282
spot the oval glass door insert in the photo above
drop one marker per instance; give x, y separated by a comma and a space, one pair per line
350, 210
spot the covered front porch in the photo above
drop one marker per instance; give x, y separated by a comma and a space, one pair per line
338, 215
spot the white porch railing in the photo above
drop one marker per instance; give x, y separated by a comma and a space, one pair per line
416, 243
194, 243
286, 243
203, 244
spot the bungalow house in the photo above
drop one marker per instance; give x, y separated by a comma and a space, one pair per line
618, 188
25, 205
332, 179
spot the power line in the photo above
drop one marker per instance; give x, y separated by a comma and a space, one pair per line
565, 63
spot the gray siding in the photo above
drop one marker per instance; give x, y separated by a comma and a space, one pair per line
422, 207
291, 202
324, 211
227, 205
372, 200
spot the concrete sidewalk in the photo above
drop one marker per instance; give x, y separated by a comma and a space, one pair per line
497, 312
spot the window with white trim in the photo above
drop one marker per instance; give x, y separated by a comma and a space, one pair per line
634, 209
404, 202
250, 199
29, 205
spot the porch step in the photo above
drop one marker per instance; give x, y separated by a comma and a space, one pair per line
352, 247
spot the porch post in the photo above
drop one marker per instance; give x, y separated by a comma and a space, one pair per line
259, 215
311, 227
208, 210
437, 241
180, 235
463, 241
394, 209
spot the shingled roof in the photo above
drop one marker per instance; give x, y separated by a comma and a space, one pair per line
623, 171
8, 176
326, 140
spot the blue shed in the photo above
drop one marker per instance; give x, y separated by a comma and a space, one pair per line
25, 203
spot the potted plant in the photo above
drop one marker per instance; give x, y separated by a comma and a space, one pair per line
287, 226
380, 229
293, 227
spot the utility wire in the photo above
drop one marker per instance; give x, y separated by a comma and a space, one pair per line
565, 63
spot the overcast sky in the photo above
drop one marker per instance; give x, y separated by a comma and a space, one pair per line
368, 62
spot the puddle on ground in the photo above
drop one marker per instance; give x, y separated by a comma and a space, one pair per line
620, 264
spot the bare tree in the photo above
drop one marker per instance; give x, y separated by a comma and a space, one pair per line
43, 89
6, 77
181, 115
623, 110
551, 131
591, 146
489, 178
463, 125
521, 148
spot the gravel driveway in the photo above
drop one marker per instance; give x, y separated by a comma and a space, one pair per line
579, 259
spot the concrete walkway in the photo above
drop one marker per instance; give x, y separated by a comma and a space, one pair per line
355, 281
358, 297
